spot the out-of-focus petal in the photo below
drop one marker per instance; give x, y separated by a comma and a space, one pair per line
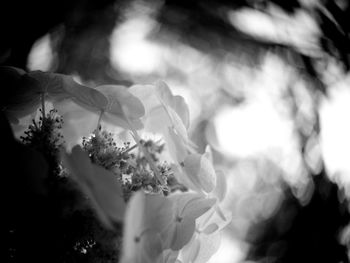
121, 102
200, 171
78, 122
208, 246
146, 216
220, 189
100, 185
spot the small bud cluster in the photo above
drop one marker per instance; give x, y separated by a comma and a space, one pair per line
103, 150
129, 165
45, 137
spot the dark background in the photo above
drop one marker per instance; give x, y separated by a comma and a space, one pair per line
295, 233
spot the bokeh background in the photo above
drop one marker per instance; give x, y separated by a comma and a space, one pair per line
268, 87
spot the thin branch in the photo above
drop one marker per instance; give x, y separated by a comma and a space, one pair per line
131, 148
43, 107
99, 120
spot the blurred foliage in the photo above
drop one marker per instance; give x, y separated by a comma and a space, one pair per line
304, 233
202, 24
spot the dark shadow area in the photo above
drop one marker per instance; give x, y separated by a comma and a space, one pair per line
304, 233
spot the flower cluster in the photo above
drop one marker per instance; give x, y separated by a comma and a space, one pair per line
169, 229
130, 165
45, 137
171, 210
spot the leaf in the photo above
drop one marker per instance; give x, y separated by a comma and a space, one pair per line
177, 124
84, 95
59, 86
157, 120
187, 208
163, 91
107, 193
152, 249
170, 256
146, 215
192, 169
146, 249
121, 101
11, 72
162, 108
175, 146
111, 119
198, 206
168, 115
221, 186
189, 252
146, 94
208, 246
211, 229
214, 220
200, 171
176, 140
207, 175
166, 100
177, 103
100, 185
200, 248
18, 99
48, 83
181, 108
158, 212
182, 233
182, 178
123, 108
78, 121
208, 153
133, 223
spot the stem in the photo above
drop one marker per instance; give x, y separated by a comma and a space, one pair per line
146, 154
131, 148
220, 213
43, 107
148, 157
99, 120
